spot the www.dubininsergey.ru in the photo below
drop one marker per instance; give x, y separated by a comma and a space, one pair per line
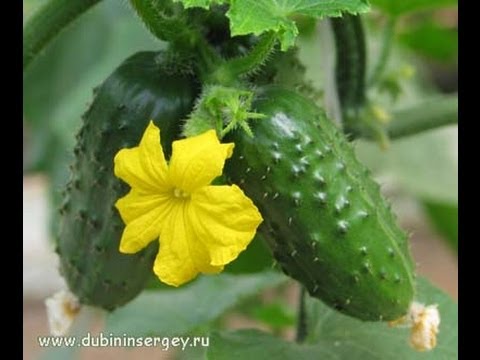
102, 340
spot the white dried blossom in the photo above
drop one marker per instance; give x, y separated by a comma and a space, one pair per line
62, 309
425, 323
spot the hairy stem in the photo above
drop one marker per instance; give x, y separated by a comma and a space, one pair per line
387, 43
302, 318
168, 23
159, 20
255, 58
208, 58
232, 69
427, 115
47, 22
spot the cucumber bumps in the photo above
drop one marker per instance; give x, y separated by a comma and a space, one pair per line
141, 89
325, 219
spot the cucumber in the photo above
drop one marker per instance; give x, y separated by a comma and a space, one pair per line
325, 219
141, 89
350, 69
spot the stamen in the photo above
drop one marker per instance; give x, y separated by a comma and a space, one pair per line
179, 193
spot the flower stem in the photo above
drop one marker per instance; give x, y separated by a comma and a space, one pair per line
387, 43
429, 114
47, 22
302, 318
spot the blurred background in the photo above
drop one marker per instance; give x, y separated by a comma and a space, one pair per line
418, 174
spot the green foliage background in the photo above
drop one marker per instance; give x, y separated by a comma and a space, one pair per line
58, 86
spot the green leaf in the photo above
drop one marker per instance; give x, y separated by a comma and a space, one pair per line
444, 218
259, 16
357, 340
205, 4
277, 315
432, 40
400, 7
426, 165
179, 311
258, 345
253, 16
191, 353
333, 336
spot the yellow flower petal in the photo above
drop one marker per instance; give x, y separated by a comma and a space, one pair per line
181, 256
225, 220
136, 204
197, 160
144, 166
200, 228
144, 216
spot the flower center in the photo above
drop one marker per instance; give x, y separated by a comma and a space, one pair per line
180, 194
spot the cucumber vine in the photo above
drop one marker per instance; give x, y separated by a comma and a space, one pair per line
46, 23
170, 21
232, 66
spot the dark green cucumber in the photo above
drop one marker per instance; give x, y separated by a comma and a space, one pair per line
90, 230
350, 69
325, 219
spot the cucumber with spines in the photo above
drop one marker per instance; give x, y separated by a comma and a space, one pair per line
325, 219
350, 70
140, 90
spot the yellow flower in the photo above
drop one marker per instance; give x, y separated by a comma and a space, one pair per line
201, 227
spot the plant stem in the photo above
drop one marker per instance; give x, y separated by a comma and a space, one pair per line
430, 114
208, 60
47, 22
387, 43
302, 317
232, 69
168, 23
155, 15
255, 58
